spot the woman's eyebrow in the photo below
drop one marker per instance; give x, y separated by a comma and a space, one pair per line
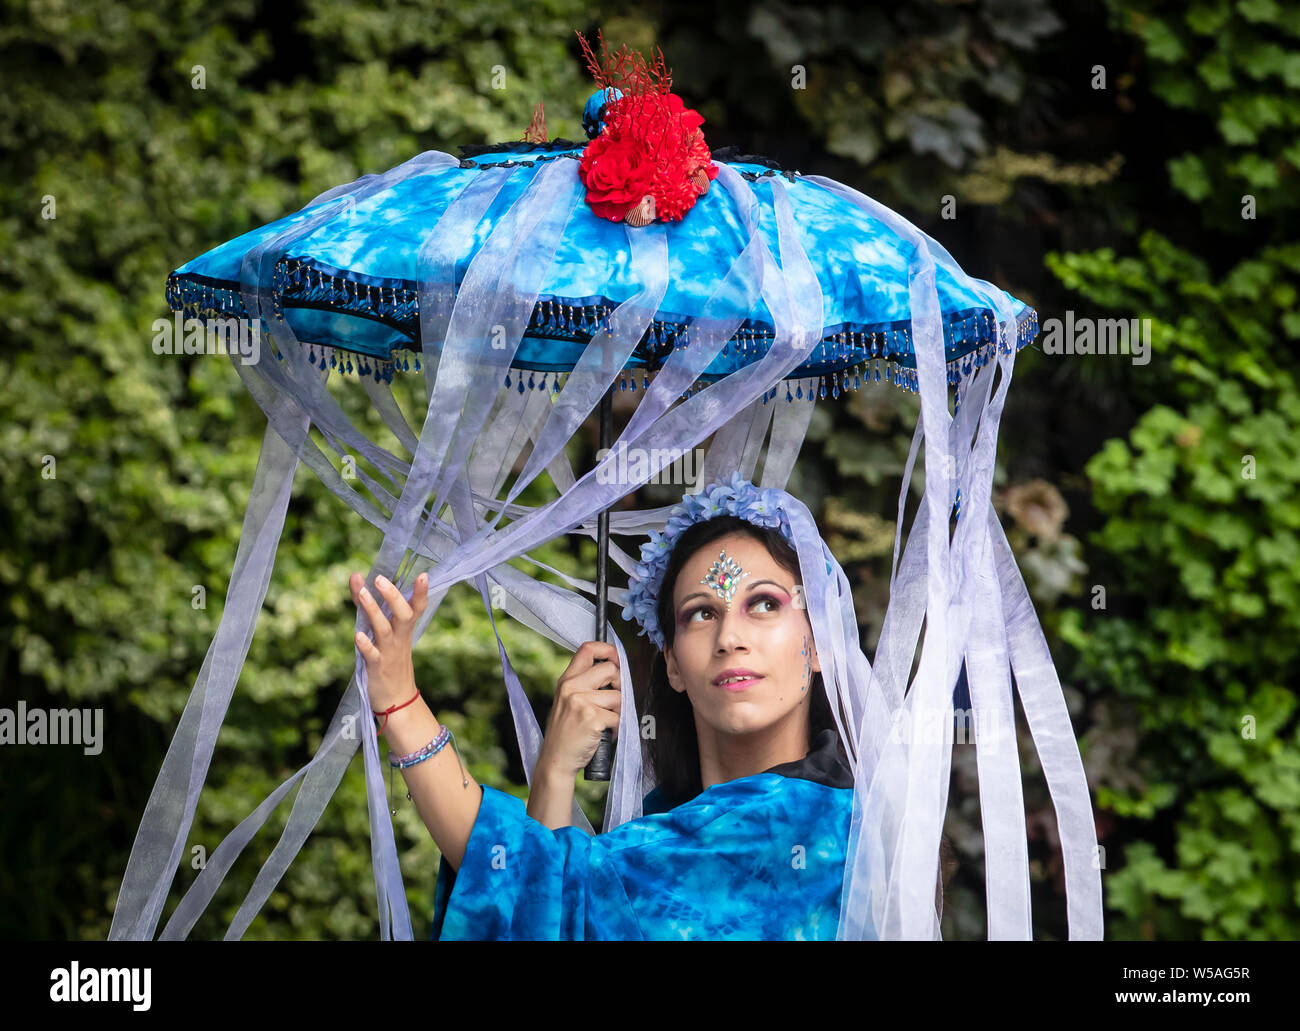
756, 583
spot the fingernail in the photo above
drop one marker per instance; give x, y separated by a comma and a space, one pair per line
365, 593
381, 581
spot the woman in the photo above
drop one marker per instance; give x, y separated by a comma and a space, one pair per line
744, 835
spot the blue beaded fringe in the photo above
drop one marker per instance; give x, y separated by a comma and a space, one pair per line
860, 353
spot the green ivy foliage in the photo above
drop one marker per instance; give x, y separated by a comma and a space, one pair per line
1238, 65
911, 83
1198, 632
1194, 640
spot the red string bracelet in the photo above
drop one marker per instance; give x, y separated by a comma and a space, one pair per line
392, 709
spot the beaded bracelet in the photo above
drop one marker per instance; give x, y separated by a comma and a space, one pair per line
419, 755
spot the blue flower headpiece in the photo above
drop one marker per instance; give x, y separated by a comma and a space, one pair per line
761, 506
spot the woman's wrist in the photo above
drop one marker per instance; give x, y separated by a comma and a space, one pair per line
396, 725
384, 709
550, 772
554, 777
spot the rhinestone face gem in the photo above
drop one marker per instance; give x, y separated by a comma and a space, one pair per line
724, 577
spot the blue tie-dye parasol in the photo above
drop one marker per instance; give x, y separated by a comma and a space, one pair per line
528, 280
349, 287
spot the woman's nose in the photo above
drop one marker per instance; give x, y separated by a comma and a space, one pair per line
732, 633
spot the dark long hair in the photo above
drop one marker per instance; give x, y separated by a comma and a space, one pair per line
673, 749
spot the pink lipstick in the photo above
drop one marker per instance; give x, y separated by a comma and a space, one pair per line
737, 679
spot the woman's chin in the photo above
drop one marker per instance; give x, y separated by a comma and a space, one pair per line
740, 718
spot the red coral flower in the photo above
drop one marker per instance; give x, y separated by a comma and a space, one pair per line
617, 174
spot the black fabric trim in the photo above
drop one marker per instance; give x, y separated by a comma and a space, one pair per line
731, 154
827, 763
469, 150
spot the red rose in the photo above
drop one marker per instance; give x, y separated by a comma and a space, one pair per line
617, 174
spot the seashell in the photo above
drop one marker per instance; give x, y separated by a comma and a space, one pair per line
700, 180
643, 214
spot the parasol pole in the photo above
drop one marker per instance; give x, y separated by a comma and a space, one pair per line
602, 761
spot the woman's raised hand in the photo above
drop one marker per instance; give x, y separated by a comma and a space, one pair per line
581, 710
389, 668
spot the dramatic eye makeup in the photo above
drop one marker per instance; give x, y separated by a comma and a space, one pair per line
775, 599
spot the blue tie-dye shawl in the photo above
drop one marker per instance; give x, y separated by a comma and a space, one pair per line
756, 858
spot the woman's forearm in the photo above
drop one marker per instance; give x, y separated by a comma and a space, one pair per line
550, 797
437, 785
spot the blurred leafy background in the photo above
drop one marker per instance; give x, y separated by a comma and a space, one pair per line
1114, 158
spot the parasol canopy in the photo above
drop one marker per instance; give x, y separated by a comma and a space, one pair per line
352, 282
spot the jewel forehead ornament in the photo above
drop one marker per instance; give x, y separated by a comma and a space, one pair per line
724, 577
